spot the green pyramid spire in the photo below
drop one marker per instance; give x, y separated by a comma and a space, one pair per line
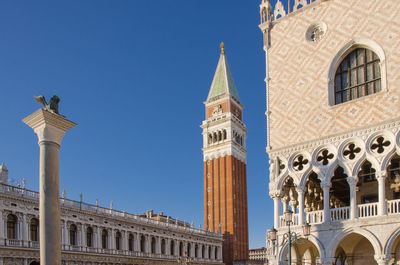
223, 81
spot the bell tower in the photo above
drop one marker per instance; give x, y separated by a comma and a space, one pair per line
224, 155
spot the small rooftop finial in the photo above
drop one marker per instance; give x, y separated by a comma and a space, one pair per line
222, 46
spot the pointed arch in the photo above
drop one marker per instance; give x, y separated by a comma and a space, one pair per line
331, 248
389, 244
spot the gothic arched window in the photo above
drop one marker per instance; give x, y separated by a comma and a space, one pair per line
72, 235
358, 75
34, 229
11, 226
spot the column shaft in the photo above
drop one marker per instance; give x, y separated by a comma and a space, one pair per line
382, 206
301, 206
327, 212
277, 211
50, 236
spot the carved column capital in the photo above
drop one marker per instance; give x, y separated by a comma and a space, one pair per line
352, 181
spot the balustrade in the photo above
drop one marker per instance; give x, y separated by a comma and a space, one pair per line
368, 210
315, 217
340, 214
393, 206
295, 220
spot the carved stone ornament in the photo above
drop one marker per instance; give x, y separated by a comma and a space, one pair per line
217, 110
316, 31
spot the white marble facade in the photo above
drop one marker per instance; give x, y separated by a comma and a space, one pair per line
95, 235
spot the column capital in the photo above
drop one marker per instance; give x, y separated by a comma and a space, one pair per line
275, 194
326, 185
49, 127
381, 175
382, 259
352, 181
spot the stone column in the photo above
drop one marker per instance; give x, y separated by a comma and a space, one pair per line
83, 236
50, 129
327, 213
2, 228
25, 226
124, 240
300, 197
277, 211
111, 239
382, 206
158, 245
136, 242
353, 198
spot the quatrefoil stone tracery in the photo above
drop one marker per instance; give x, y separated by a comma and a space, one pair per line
379, 144
324, 157
299, 163
351, 151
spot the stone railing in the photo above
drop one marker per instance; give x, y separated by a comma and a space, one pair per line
340, 214
393, 206
64, 202
295, 220
367, 210
315, 217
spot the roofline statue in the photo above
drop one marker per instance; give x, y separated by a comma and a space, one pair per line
52, 106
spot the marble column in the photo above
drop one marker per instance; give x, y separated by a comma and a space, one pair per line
300, 197
327, 213
2, 228
277, 211
50, 129
382, 206
353, 198
136, 242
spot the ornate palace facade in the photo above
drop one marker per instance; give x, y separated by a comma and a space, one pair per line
333, 110
95, 235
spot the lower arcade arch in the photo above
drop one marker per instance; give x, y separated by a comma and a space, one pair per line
303, 252
354, 249
392, 247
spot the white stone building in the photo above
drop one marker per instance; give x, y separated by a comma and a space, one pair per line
95, 235
333, 110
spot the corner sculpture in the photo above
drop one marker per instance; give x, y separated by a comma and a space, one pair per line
53, 104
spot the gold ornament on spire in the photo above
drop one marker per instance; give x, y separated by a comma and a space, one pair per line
222, 46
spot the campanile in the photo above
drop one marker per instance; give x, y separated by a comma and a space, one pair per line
224, 152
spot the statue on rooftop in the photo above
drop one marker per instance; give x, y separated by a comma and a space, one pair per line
53, 104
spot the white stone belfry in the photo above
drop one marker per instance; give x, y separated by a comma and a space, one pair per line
50, 129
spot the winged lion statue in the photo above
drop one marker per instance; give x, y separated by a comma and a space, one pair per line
53, 104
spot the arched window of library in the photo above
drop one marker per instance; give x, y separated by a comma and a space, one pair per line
34, 229
358, 75
89, 237
11, 226
104, 238
72, 235
118, 240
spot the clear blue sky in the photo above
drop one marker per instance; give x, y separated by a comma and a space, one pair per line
133, 75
